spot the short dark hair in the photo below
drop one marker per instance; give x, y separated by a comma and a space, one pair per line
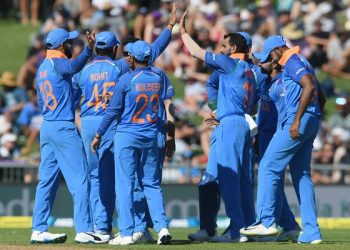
105, 52
239, 41
145, 61
130, 39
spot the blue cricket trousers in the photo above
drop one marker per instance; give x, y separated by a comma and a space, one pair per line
142, 217
101, 165
136, 160
234, 177
62, 151
285, 217
283, 150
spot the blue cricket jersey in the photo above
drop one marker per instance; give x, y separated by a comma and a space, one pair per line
277, 93
267, 115
135, 103
97, 78
224, 64
54, 84
295, 67
238, 78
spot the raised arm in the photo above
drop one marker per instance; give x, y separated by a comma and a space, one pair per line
164, 38
71, 67
190, 44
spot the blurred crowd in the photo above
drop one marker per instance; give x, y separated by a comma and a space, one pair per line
321, 28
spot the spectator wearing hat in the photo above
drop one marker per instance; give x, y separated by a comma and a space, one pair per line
13, 96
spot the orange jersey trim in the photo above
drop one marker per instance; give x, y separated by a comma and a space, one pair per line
287, 54
55, 54
240, 56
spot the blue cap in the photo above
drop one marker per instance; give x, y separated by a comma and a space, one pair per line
271, 43
139, 49
106, 39
57, 37
247, 38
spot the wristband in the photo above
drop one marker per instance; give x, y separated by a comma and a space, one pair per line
171, 129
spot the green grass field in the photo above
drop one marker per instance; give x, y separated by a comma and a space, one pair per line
19, 239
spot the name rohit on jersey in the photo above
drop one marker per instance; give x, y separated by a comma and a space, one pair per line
147, 87
98, 76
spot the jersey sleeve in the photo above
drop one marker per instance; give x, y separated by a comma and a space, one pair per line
167, 90
68, 67
213, 86
116, 106
159, 45
296, 69
220, 62
77, 90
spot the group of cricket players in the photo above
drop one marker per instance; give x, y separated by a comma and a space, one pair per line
127, 131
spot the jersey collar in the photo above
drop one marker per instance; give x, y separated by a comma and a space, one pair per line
141, 68
55, 54
240, 56
287, 54
103, 58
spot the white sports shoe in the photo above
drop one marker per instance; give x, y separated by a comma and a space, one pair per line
164, 237
201, 235
46, 237
314, 242
226, 238
90, 237
139, 238
260, 229
121, 240
289, 235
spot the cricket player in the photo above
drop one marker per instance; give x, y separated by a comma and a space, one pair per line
209, 195
237, 90
135, 105
270, 117
97, 80
290, 144
61, 147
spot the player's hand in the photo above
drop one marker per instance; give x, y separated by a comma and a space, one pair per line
172, 20
91, 39
294, 130
211, 120
95, 144
183, 23
105, 98
170, 147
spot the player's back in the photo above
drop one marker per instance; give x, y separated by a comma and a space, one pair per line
55, 92
237, 91
96, 79
143, 96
